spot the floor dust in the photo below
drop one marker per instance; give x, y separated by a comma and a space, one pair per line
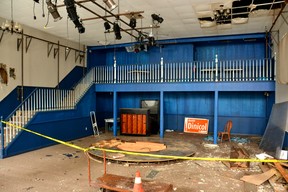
61, 168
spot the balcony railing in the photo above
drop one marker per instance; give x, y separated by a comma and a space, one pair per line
197, 71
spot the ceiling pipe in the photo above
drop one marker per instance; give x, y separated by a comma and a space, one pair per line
117, 17
78, 3
273, 24
120, 14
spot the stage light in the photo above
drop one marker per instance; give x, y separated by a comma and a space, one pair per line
71, 10
36, 1
117, 30
157, 18
110, 4
107, 26
53, 10
133, 22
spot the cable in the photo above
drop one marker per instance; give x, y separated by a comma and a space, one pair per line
43, 13
34, 16
12, 10
47, 22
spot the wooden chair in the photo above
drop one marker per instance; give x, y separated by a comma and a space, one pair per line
226, 132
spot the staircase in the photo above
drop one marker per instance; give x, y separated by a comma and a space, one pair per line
41, 100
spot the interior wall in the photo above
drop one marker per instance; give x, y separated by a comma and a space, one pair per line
39, 69
279, 31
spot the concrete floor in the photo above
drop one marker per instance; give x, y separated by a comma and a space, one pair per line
61, 168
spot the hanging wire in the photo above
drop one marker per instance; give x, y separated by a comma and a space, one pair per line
43, 13
47, 22
34, 16
12, 10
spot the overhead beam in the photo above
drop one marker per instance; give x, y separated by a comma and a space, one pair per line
120, 14
140, 28
102, 17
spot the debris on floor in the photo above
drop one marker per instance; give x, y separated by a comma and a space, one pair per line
70, 155
238, 153
152, 174
234, 139
258, 179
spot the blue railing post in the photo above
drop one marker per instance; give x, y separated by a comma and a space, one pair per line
2, 139
115, 113
161, 114
216, 117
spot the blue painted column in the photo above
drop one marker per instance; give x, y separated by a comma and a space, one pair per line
115, 113
161, 114
2, 139
215, 117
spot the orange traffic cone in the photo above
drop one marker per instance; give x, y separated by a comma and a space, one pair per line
138, 183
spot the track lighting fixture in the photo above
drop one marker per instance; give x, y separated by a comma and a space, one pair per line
157, 18
107, 26
36, 1
110, 4
117, 30
53, 10
71, 10
133, 22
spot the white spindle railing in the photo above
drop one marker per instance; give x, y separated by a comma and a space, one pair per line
46, 99
230, 70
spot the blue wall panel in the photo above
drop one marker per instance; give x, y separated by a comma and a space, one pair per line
230, 51
72, 78
64, 125
170, 53
11, 101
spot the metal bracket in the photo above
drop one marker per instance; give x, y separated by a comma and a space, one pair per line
67, 52
28, 42
2, 36
56, 51
77, 55
19, 42
49, 48
81, 56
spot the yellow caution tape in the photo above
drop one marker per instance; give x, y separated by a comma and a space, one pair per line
146, 154
47, 137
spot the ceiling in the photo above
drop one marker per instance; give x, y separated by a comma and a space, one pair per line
182, 18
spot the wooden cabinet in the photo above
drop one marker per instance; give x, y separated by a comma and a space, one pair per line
134, 121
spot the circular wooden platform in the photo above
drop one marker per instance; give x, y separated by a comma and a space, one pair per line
173, 148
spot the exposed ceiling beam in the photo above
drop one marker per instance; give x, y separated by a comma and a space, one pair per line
138, 13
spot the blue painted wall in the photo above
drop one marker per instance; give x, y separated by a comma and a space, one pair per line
64, 125
230, 50
11, 101
72, 77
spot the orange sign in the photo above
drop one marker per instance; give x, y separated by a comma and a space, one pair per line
196, 125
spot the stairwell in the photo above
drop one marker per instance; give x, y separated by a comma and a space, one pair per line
42, 100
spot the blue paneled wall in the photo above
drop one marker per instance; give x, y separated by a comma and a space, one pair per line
249, 111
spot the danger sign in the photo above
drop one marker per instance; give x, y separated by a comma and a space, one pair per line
196, 125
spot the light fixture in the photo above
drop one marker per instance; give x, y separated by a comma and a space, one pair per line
110, 4
222, 15
117, 30
71, 10
53, 10
36, 1
157, 18
11, 26
107, 26
133, 22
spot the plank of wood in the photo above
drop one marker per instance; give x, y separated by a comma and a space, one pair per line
125, 184
258, 179
276, 186
282, 171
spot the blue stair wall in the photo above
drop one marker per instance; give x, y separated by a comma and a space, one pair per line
72, 78
63, 125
